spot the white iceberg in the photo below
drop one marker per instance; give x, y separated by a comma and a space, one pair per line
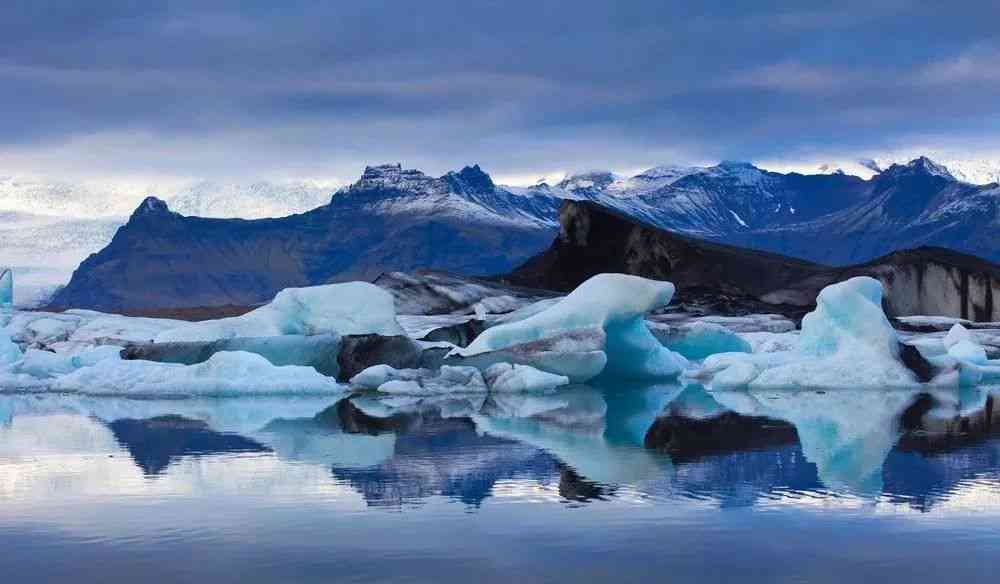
598, 328
353, 308
224, 374
699, 339
847, 342
507, 378
447, 379
6, 291
9, 352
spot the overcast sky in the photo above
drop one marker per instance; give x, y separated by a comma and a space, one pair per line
282, 89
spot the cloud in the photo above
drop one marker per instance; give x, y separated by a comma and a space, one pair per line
525, 88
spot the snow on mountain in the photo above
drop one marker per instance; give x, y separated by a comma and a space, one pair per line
832, 216
48, 227
977, 171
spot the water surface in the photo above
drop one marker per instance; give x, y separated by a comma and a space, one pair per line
620, 484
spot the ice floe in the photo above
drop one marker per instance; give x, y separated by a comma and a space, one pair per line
598, 328
352, 308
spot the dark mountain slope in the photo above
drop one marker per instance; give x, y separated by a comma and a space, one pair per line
391, 219
594, 239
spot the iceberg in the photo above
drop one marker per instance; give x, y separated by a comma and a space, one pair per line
317, 351
846, 342
700, 339
598, 328
46, 364
9, 351
353, 308
6, 292
224, 374
507, 378
447, 379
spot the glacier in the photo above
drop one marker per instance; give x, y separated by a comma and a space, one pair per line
597, 329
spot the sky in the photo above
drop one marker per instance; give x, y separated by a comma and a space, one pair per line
257, 89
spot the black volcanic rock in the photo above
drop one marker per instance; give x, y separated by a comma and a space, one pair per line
594, 239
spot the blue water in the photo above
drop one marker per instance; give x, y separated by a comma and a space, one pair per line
620, 484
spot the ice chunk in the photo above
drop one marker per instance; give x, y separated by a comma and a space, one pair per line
846, 342
46, 364
610, 309
224, 374
317, 351
504, 377
376, 375
352, 308
9, 352
968, 351
527, 311
956, 334
6, 292
421, 381
700, 339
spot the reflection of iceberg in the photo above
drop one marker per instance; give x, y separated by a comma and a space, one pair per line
847, 434
607, 450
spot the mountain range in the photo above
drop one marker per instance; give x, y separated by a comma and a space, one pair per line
398, 219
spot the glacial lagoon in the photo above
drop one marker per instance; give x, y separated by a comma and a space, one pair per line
619, 483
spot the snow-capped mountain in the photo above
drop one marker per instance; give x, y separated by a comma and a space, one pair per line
390, 219
48, 227
832, 218
399, 219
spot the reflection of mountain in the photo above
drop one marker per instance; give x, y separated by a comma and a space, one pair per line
153, 443
447, 457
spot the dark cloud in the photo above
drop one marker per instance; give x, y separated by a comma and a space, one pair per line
238, 87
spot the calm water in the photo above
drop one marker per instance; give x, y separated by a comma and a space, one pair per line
617, 484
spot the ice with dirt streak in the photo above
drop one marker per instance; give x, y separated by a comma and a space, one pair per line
598, 328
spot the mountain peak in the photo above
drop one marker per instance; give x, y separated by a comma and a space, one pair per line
151, 206
471, 178
923, 166
594, 179
740, 164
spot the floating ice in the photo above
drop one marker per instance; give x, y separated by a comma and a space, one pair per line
224, 374
9, 352
506, 378
317, 351
597, 328
846, 342
6, 292
448, 379
353, 308
46, 364
699, 339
